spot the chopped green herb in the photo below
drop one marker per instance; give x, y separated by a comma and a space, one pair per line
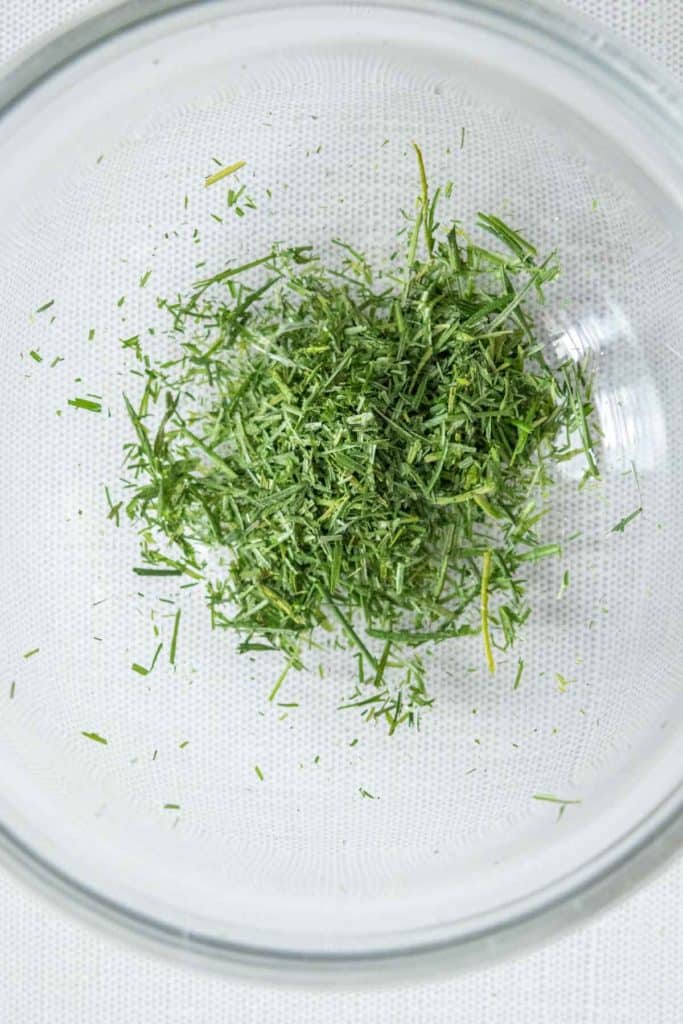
518, 674
140, 669
353, 742
85, 403
563, 683
12, 689
156, 655
548, 798
279, 681
564, 584
623, 523
258, 772
171, 807
145, 278
91, 334
174, 638
365, 793
374, 451
114, 508
181, 746
144, 571
29, 654
95, 737
224, 172
36, 356
46, 305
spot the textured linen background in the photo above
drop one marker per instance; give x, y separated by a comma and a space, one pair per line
624, 968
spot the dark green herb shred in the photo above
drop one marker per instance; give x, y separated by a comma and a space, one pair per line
373, 451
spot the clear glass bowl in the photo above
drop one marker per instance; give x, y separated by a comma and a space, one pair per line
103, 133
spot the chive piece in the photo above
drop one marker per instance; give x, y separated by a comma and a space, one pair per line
141, 570
156, 655
46, 305
140, 669
85, 403
181, 746
36, 356
12, 689
171, 807
278, 682
174, 638
485, 629
145, 278
259, 772
548, 798
518, 674
29, 654
365, 793
224, 172
95, 737
426, 223
623, 523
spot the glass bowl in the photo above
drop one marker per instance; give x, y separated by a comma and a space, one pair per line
388, 857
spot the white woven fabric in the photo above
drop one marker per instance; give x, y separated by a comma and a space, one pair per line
623, 968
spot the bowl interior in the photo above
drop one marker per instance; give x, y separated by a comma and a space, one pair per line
102, 180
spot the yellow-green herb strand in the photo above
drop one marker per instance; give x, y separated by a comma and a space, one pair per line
485, 627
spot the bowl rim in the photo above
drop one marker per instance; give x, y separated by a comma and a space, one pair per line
613, 872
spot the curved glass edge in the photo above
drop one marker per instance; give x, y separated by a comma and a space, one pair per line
614, 875
626, 863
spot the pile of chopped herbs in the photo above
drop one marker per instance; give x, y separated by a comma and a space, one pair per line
369, 453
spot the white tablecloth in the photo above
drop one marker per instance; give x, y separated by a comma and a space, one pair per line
624, 968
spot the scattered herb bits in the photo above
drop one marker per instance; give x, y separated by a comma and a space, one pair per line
373, 453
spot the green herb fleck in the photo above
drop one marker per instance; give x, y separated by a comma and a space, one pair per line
85, 403
258, 772
36, 356
29, 654
548, 798
563, 683
174, 638
95, 737
224, 172
623, 523
518, 674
